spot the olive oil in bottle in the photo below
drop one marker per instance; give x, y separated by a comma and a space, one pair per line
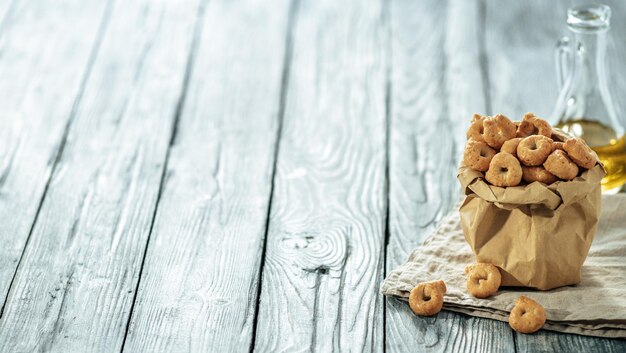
585, 107
611, 149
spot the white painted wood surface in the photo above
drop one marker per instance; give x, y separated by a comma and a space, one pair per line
75, 285
324, 261
45, 50
6, 9
520, 46
199, 287
219, 275
436, 86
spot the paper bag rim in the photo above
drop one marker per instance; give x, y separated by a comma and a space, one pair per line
536, 193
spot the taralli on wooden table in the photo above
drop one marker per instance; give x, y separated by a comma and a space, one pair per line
527, 316
426, 299
483, 280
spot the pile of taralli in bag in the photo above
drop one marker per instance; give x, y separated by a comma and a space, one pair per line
510, 152
532, 203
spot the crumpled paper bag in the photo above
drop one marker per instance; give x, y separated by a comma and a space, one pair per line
594, 307
538, 235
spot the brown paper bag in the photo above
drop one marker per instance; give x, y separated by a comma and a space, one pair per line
538, 235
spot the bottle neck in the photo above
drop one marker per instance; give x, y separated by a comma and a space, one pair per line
585, 107
589, 88
591, 55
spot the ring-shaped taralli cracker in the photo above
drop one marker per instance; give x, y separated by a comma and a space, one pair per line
556, 145
578, 150
559, 164
532, 125
497, 130
478, 155
426, 299
510, 146
504, 170
475, 131
483, 279
533, 150
539, 173
527, 315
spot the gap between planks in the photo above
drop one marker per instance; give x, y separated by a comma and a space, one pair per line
59, 151
293, 15
120, 161
179, 108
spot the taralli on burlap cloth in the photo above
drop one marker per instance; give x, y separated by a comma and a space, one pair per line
595, 307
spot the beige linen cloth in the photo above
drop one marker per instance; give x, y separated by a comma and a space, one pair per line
594, 307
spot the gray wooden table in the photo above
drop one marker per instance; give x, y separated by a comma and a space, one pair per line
216, 175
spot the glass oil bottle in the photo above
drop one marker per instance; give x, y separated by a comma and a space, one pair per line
585, 106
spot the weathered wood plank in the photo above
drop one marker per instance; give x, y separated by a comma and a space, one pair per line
520, 40
436, 86
199, 287
325, 243
6, 8
45, 50
547, 341
520, 44
75, 285
447, 332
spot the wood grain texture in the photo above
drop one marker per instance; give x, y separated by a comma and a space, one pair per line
45, 50
6, 9
520, 43
547, 341
199, 287
75, 285
447, 332
325, 243
436, 86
